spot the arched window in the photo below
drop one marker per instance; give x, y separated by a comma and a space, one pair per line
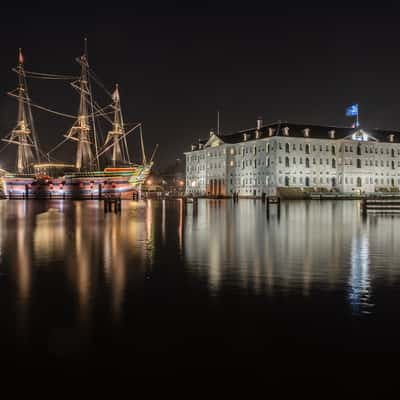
358, 163
393, 165
287, 162
333, 163
287, 147
307, 162
333, 182
333, 150
359, 182
286, 181
392, 152
307, 149
359, 150
307, 183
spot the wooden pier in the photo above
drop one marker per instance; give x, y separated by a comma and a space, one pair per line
389, 205
273, 200
110, 201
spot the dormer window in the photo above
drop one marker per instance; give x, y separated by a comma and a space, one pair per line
286, 131
270, 131
391, 138
245, 137
332, 134
306, 132
258, 134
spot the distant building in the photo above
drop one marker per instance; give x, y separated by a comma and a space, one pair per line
294, 156
174, 177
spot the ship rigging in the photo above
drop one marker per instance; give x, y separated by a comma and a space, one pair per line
91, 151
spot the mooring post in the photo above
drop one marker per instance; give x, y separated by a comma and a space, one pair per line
279, 206
267, 199
364, 207
184, 204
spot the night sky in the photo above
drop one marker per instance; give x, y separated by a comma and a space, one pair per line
177, 65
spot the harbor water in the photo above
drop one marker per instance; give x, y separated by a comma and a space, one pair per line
167, 286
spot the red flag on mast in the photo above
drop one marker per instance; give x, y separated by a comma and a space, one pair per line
20, 57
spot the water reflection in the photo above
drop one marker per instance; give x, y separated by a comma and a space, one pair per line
312, 247
360, 290
90, 262
73, 248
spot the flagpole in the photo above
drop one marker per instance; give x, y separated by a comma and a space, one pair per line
357, 124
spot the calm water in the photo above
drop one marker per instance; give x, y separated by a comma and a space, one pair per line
161, 288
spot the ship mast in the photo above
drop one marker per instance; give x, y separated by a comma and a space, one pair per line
117, 132
117, 136
80, 131
21, 135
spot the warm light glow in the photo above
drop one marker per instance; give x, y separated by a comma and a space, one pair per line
181, 183
149, 181
193, 184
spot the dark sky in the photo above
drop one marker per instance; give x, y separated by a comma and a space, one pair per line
177, 64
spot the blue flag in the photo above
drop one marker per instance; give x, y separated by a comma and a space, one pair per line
352, 110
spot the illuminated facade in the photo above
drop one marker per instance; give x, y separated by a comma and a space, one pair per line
301, 157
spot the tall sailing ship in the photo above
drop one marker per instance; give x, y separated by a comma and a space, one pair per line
100, 169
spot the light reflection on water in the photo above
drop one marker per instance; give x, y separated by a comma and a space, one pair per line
89, 265
323, 246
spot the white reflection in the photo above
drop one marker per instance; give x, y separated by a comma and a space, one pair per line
360, 285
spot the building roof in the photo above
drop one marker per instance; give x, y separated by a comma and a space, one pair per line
314, 132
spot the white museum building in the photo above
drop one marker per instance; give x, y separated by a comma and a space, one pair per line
283, 156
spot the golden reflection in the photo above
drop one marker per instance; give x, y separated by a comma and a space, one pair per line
163, 217
23, 258
114, 260
80, 261
49, 236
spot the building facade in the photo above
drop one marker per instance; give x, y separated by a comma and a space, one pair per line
285, 156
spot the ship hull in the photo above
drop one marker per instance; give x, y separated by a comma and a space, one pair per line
112, 182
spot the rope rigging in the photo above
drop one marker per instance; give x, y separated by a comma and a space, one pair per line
40, 75
86, 122
102, 151
29, 102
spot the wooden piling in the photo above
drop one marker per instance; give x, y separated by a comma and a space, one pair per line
279, 206
364, 209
